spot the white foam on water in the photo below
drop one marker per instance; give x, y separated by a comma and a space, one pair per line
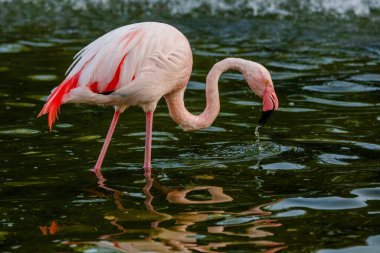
340, 8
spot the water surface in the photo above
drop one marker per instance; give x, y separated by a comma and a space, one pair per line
311, 185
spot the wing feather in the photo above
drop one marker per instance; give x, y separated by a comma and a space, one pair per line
118, 58
96, 63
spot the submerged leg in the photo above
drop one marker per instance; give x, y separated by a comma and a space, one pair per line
148, 142
108, 139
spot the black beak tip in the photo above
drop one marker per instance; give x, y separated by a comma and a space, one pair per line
264, 117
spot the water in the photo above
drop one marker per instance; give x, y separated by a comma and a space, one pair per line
312, 184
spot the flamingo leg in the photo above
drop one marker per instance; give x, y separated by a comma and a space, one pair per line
148, 143
107, 140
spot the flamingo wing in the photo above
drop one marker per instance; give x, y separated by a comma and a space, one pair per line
113, 61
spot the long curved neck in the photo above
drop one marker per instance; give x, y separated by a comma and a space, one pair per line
176, 104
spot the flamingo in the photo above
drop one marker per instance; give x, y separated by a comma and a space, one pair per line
137, 65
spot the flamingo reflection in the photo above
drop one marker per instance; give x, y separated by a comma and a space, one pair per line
179, 237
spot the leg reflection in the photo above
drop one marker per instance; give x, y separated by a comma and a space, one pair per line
179, 231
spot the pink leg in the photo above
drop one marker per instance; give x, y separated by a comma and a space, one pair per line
148, 142
107, 141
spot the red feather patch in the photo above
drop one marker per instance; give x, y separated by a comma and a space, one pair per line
55, 99
111, 86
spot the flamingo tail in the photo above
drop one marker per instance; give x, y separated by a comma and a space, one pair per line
54, 101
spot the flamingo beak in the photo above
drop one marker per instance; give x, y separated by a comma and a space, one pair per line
270, 104
264, 117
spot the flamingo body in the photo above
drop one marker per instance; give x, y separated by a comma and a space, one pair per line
133, 58
137, 65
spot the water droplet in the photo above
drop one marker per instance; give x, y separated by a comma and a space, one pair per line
257, 134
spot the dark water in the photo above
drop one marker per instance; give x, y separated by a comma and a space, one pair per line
313, 184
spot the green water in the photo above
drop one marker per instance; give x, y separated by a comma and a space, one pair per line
312, 183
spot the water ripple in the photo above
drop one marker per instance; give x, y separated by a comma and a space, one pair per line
336, 159
340, 87
20, 131
373, 246
366, 77
365, 145
283, 166
330, 203
43, 77
333, 102
227, 152
293, 66
13, 48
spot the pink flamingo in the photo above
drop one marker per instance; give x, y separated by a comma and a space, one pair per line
138, 64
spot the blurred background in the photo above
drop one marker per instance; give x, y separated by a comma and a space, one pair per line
311, 184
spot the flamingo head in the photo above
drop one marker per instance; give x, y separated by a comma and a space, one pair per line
270, 101
260, 81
